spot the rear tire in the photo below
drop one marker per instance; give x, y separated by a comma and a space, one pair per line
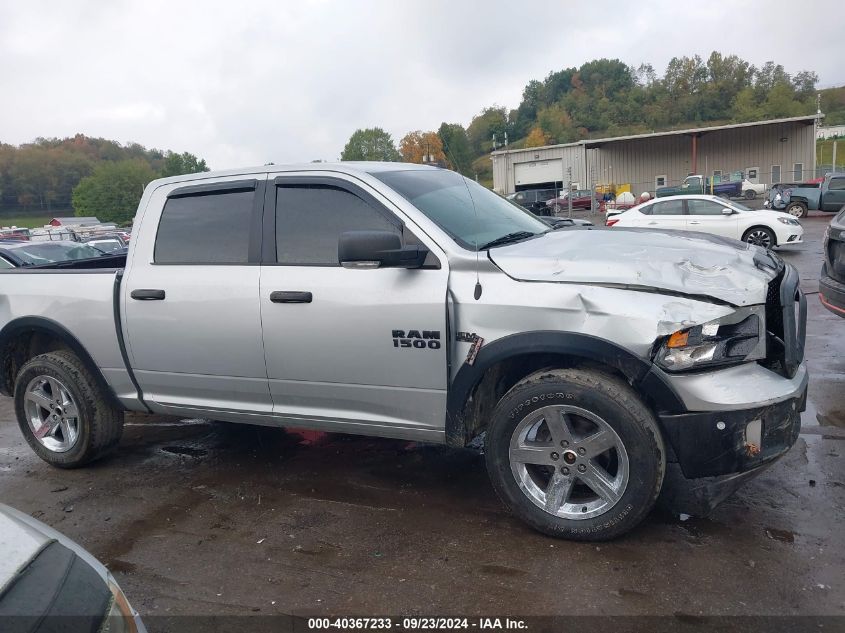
63, 412
796, 209
593, 472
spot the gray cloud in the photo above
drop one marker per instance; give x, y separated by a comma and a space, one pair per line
289, 81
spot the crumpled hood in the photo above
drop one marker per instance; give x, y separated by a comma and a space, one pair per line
698, 264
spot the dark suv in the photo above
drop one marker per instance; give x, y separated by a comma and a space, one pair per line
832, 280
534, 200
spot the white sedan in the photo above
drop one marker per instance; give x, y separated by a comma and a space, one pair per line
710, 214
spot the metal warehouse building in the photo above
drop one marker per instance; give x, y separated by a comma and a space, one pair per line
764, 151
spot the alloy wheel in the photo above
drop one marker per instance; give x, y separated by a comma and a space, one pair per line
759, 238
52, 413
569, 462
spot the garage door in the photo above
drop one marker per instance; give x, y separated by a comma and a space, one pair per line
538, 171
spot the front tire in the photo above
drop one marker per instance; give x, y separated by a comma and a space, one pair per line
760, 236
750, 194
63, 412
575, 454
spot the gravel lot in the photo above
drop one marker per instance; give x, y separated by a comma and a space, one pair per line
196, 517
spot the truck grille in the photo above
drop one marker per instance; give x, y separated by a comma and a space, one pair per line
786, 323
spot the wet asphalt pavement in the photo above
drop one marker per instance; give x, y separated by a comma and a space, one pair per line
198, 517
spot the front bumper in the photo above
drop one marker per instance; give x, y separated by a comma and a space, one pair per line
831, 293
717, 443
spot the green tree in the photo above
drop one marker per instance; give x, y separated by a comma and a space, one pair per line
456, 147
492, 120
370, 144
113, 191
178, 164
745, 107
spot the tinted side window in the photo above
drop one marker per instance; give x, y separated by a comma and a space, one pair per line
836, 184
205, 229
670, 207
310, 219
704, 207
5, 263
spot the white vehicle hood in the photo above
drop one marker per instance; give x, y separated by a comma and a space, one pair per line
699, 264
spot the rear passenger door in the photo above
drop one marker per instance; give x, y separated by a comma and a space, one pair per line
666, 214
190, 303
706, 216
353, 350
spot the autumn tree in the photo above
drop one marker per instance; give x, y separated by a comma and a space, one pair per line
537, 138
422, 147
113, 191
370, 144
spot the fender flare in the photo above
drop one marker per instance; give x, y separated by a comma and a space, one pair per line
638, 371
42, 324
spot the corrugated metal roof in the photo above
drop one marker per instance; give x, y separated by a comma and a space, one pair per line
595, 142
76, 220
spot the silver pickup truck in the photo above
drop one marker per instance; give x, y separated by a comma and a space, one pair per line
408, 302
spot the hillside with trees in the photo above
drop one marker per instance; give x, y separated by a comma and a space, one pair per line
57, 176
606, 97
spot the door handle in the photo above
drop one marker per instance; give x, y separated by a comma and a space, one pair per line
147, 295
652, 223
692, 222
290, 296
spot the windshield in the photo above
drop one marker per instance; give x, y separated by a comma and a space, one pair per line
444, 197
47, 253
739, 206
107, 246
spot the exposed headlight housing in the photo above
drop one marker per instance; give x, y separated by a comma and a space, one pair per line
121, 616
791, 221
721, 342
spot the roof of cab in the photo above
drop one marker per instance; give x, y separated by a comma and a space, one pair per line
349, 167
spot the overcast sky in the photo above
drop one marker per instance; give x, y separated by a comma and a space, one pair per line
245, 83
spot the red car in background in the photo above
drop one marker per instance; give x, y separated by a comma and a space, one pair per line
581, 199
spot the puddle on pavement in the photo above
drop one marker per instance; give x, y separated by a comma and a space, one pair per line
502, 570
185, 451
784, 536
121, 566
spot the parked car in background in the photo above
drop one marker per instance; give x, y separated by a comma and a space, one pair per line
709, 214
561, 223
798, 199
581, 199
50, 583
534, 200
107, 244
698, 184
832, 279
16, 253
750, 190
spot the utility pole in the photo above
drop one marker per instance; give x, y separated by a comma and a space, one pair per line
569, 190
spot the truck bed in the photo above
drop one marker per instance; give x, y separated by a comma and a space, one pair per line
106, 261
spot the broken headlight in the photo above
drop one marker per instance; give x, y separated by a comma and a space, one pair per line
713, 343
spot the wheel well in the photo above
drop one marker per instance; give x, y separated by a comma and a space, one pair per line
19, 349
761, 226
502, 376
28, 338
